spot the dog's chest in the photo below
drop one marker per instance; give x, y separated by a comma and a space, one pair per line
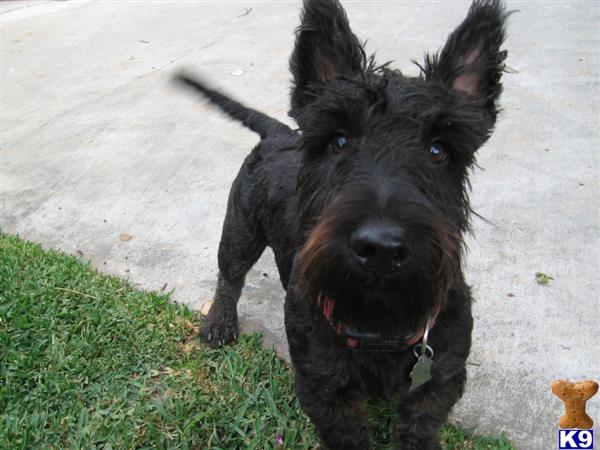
382, 375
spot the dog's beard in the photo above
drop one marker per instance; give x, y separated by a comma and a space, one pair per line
389, 304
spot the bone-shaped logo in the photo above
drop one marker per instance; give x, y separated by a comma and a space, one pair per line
574, 396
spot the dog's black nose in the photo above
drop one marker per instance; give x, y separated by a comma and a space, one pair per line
381, 247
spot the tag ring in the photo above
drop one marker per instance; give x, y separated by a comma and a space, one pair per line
423, 346
417, 350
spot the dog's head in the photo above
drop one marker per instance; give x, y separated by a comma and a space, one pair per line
383, 185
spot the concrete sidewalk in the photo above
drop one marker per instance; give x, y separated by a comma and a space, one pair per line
96, 143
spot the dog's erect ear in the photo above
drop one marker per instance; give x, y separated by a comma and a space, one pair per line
471, 62
325, 49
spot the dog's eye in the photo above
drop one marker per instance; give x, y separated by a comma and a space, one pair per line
339, 141
438, 153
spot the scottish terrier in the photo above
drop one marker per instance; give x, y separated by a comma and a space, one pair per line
365, 207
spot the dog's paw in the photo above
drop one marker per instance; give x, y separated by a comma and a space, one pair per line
219, 333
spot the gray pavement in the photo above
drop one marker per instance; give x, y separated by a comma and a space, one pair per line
96, 142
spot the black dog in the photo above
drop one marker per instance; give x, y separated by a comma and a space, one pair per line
365, 208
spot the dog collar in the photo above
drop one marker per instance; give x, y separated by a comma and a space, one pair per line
355, 340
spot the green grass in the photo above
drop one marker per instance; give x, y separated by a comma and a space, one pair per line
87, 361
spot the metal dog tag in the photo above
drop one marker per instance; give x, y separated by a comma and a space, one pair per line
421, 372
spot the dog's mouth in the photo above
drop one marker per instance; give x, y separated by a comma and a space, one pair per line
388, 303
392, 302
396, 339
377, 311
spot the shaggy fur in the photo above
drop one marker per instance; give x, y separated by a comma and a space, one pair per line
365, 207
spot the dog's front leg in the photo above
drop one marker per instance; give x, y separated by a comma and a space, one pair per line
339, 419
324, 382
423, 413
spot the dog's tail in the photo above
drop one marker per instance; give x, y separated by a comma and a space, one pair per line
258, 122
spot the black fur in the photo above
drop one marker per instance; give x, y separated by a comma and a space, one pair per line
378, 151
